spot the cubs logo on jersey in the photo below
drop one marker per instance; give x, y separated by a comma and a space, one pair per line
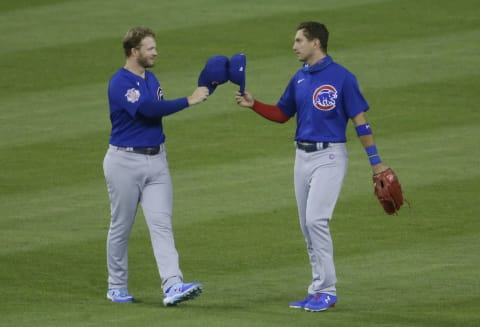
324, 97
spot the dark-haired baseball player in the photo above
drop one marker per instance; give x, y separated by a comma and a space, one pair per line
324, 96
136, 169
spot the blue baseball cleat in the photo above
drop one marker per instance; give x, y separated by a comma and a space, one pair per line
182, 292
119, 295
321, 302
301, 304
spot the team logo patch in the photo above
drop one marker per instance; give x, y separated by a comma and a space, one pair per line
324, 97
132, 95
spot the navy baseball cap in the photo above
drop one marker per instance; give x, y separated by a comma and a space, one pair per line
236, 70
214, 73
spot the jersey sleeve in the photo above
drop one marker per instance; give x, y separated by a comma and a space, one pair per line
124, 94
160, 108
353, 99
271, 112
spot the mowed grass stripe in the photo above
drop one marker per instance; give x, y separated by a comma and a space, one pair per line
80, 19
214, 192
75, 57
43, 116
36, 25
238, 252
259, 274
67, 108
38, 169
228, 236
86, 155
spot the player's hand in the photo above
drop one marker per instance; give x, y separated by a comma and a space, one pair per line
199, 95
245, 100
378, 168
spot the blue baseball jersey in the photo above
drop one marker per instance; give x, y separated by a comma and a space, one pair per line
127, 93
323, 96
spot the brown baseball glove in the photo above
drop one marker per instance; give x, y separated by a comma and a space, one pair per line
388, 191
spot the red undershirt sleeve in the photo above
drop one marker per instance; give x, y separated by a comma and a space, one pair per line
271, 112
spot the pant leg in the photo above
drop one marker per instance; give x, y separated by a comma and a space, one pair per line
302, 187
122, 173
157, 203
318, 186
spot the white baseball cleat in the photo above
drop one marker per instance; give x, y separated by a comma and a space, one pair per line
182, 292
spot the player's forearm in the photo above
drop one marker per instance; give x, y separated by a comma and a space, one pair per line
158, 109
366, 140
368, 143
271, 112
364, 130
365, 135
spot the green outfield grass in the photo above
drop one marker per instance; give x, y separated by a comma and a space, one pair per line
235, 220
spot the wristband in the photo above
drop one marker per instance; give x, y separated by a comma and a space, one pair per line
364, 129
373, 155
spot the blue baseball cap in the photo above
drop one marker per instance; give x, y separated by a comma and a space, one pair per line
214, 73
236, 70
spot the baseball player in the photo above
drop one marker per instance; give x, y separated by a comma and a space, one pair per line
136, 169
324, 96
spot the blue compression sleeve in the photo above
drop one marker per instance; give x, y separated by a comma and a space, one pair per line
364, 129
157, 109
372, 154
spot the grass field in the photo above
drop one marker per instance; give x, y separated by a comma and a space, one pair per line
235, 220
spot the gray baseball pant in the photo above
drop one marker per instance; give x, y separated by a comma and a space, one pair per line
134, 179
318, 179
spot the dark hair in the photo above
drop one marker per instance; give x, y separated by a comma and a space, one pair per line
315, 30
134, 37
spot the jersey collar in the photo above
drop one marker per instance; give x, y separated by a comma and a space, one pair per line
318, 66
